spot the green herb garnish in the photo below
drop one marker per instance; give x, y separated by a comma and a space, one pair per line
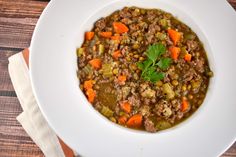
154, 60
164, 63
155, 51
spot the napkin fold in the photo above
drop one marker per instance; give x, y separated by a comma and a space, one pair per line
31, 118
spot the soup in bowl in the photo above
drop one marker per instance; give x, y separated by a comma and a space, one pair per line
143, 69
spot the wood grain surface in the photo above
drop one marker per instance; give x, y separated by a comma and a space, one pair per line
17, 21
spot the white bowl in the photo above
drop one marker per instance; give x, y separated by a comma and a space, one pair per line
60, 30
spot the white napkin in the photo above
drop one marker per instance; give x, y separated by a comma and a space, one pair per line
31, 118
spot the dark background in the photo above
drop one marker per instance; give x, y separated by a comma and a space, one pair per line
17, 21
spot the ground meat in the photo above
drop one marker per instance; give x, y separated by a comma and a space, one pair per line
97, 106
188, 76
176, 104
148, 93
145, 110
143, 86
113, 45
181, 65
135, 101
166, 79
125, 50
168, 41
163, 109
135, 34
158, 109
134, 91
180, 114
100, 24
124, 13
153, 100
125, 92
153, 28
89, 57
126, 21
81, 62
199, 65
133, 27
127, 73
135, 13
151, 15
171, 73
143, 26
146, 101
192, 45
149, 125
149, 38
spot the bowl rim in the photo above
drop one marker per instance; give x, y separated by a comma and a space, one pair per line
35, 90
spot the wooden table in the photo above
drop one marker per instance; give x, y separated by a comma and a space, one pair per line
17, 22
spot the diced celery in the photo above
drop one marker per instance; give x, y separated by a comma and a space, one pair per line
161, 125
80, 51
106, 111
107, 70
101, 49
168, 91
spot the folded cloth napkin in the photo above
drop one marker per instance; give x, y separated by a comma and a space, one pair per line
31, 118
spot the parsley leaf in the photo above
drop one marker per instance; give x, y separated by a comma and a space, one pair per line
157, 77
149, 66
164, 63
140, 65
153, 76
144, 65
149, 73
155, 51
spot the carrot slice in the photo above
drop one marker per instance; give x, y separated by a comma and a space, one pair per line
106, 34
122, 78
89, 35
91, 95
115, 37
188, 57
120, 27
174, 35
88, 84
125, 106
96, 63
122, 120
175, 51
116, 54
185, 104
135, 121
